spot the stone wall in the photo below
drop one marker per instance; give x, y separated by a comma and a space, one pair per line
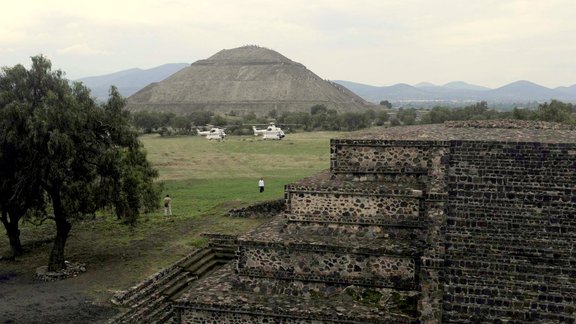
337, 267
260, 210
398, 160
510, 232
381, 156
366, 232
499, 219
328, 207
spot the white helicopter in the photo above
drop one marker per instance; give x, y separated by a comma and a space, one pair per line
271, 132
214, 133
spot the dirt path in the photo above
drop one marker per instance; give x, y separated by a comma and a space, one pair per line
24, 300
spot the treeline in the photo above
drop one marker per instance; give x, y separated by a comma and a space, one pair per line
321, 118
554, 111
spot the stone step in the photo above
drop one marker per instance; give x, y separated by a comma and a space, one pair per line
509, 293
409, 231
495, 221
512, 177
527, 198
206, 267
503, 160
478, 313
383, 177
166, 317
475, 263
221, 298
459, 206
226, 255
383, 262
140, 294
552, 208
205, 253
544, 242
138, 313
161, 314
518, 255
347, 208
398, 220
529, 159
177, 283
225, 250
463, 168
492, 185
509, 279
328, 182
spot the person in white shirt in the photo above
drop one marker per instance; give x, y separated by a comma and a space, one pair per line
261, 184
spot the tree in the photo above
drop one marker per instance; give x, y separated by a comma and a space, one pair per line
407, 116
522, 114
440, 114
19, 193
219, 120
555, 111
147, 121
381, 118
386, 104
318, 109
395, 122
70, 148
351, 121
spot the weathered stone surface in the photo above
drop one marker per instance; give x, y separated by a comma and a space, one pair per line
226, 298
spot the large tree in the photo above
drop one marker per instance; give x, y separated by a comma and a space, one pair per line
19, 193
73, 150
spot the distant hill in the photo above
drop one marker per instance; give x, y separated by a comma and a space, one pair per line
520, 90
464, 86
458, 91
133, 80
129, 81
244, 79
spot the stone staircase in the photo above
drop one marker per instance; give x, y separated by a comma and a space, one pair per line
348, 248
151, 301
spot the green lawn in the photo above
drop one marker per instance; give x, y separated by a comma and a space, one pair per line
202, 175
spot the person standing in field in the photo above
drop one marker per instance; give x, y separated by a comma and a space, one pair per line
167, 205
261, 184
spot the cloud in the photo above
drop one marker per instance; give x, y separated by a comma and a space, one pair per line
376, 41
81, 50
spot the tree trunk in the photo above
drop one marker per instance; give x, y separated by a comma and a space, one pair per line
63, 227
13, 232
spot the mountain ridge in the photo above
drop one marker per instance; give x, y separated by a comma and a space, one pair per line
129, 81
132, 80
521, 91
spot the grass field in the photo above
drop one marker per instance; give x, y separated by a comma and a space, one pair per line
200, 175
205, 179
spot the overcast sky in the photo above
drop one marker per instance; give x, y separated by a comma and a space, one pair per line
378, 42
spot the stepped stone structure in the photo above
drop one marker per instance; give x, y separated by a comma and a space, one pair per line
244, 79
461, 222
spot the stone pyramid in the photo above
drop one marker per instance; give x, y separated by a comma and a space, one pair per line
465, 222
244, 79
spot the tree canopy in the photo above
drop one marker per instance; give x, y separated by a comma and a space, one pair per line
65, 155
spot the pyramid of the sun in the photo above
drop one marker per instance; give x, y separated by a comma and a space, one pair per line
244, 79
